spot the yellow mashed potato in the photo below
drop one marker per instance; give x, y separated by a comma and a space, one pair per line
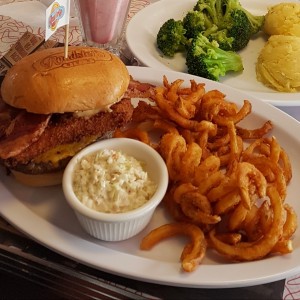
283, 18
278, 64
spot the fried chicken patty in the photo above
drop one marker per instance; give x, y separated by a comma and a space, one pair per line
68, 128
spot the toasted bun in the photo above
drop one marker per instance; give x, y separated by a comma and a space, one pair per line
46, 82
47, 179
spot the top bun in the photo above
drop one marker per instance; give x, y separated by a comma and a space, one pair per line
45, 82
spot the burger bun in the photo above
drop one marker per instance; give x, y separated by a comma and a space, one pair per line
40, 180
46, 82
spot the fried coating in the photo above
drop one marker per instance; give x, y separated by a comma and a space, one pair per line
64, 129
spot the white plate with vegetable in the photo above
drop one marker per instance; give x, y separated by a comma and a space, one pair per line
141, 38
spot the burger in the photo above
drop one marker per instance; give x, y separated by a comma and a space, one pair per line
53, 106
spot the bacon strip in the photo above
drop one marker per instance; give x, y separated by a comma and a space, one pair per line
7, 114
24, 129
137, 89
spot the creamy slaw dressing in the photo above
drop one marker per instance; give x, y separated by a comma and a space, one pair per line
111, 181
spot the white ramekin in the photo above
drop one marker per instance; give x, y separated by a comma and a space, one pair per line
118, 226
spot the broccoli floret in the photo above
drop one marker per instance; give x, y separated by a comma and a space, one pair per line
238, 28
225, 41
195, 22
211, 8
221, 36
236, 24
256, 22
204, 58
171, 37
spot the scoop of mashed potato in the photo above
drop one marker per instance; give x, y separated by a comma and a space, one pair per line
283, 18
278, 64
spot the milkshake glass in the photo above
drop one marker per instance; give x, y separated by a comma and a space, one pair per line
102, 22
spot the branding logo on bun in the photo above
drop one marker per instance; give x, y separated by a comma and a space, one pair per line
75, 58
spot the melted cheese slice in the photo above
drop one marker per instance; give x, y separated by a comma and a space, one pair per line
55, 155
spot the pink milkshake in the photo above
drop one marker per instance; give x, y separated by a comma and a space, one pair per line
103, 21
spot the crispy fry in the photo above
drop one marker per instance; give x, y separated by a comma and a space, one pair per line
285, 165
255, 133
194, 205
248, 174
291, 223
171, 113
172, 91
185, 108
207, 167
172, 147
196, 216
262, 247
237, 217
240, 115
270, 148
197, 208
133, 133
226, 203
228, 183
251, 224
181, 190
199, 201
225, 186
219, 142
236, 148
174, 208
213, 104
266, 166
145, 111
192, 255
230, 238
165, 126
265, 216
211, 182
190, 161
283, 247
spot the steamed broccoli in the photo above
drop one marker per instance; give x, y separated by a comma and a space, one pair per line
238, 28
211, 8
225, 41
195, 22
204, 58
235, 23
256, 22
171, 37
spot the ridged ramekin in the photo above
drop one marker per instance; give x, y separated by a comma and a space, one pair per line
118, 226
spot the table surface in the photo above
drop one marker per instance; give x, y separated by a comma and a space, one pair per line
36, 270
33, 268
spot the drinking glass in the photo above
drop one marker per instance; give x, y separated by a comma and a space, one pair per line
102, 22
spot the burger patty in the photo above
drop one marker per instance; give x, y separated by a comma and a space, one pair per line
34, 168
67, 129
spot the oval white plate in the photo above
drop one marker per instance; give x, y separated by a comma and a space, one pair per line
141, 38
43, 214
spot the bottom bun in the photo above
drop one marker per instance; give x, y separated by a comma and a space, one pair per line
48, 179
